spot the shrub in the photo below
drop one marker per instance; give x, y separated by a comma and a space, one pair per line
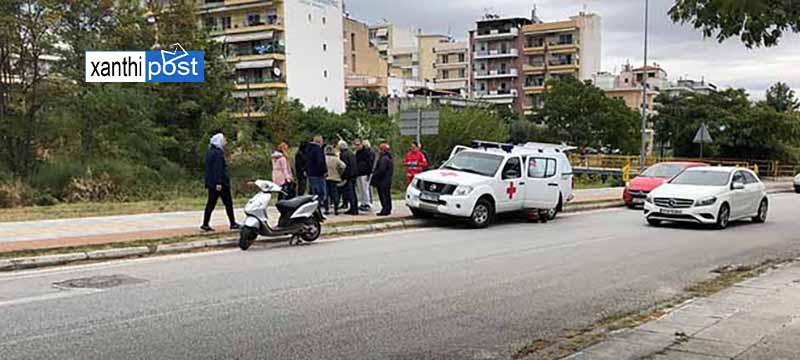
90, 188
54, 177
15, 194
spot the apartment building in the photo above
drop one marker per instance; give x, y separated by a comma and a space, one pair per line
627, 85
556, 49
452, 67
287, 48
364, 67
427, 57
496, 62
399, 47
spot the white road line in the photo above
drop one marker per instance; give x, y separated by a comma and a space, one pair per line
51, 296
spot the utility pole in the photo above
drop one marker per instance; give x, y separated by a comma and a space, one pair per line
643, 153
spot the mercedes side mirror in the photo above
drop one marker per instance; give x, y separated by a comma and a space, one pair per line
737, 186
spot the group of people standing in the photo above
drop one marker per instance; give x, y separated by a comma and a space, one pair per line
338, 175
342, 176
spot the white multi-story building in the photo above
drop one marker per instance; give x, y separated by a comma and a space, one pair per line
289, 48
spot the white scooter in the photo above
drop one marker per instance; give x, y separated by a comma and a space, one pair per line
300, 217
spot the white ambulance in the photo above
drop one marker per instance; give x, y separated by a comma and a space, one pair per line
490, 178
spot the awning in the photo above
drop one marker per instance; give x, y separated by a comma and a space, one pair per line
548, 31
259, 64
382, 32
249, 37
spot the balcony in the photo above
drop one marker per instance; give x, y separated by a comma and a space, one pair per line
498, 96
496, 74
560, 66
495, 54
534, 68
261, 84
272, 23
451, 65
496, 34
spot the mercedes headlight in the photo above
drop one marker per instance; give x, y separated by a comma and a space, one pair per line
415, 183
649, 199
462, 190
706, 201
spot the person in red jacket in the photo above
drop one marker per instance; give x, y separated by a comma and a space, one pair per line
415, 162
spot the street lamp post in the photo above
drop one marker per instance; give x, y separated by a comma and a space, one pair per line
643, 152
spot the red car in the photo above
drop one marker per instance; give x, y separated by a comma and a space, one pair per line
637, 189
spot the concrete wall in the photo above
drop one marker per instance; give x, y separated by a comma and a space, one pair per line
314, 53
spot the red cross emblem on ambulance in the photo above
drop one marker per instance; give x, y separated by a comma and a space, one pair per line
511, 190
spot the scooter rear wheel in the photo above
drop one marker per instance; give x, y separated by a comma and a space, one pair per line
246, 237
312, 229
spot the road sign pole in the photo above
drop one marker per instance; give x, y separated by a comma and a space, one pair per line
419, 127
643, 151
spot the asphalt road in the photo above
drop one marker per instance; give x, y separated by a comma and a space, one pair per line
446, 293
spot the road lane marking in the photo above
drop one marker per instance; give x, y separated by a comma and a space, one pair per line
62, 294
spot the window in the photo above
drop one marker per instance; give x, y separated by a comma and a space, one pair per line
353, 62
513, 169
324, 47
226, 22
445, 74
254, 19
309, 18
462, 73
565, 39
751, 179
541, 168
325, 74
353, 41
445, 59
462, 58
739, 177
324, 21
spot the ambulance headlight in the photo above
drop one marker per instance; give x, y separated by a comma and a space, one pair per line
463, 190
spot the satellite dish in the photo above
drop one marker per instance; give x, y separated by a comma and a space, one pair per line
276, 71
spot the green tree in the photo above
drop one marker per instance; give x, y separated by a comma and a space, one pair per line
461, 127
756, 23
26, 37
364, 100
781, 98
580, 114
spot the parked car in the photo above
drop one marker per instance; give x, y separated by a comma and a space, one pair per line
709, 195
797, 184
478, 183
637, 189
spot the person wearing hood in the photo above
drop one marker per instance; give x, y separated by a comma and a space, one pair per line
382, 179
217, 182
281, 170
349, 178
335, 170
300, 164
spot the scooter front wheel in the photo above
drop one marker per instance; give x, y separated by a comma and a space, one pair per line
246, 237
311, 230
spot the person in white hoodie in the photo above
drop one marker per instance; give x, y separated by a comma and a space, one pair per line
281, 169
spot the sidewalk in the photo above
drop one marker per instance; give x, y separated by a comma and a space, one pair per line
757, 319
29, 235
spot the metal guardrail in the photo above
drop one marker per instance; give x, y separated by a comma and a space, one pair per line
591, 163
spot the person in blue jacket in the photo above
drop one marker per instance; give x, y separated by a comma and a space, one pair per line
217, 182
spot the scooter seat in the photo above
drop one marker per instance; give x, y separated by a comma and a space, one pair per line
289, 206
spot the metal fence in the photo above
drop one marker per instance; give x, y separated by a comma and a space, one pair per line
769, 168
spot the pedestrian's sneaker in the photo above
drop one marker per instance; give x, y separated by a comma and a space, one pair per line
206, 228
236, 227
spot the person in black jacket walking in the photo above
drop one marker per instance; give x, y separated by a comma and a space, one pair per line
300, 163
382, 179
217, 182
350, 175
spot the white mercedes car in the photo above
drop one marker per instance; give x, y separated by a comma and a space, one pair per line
709, 195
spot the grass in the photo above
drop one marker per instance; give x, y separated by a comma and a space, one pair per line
574, 340
89, 209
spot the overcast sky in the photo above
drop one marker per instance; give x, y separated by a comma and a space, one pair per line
679, 49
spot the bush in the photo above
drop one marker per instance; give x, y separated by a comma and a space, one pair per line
15, 194
54, 177
89, 188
